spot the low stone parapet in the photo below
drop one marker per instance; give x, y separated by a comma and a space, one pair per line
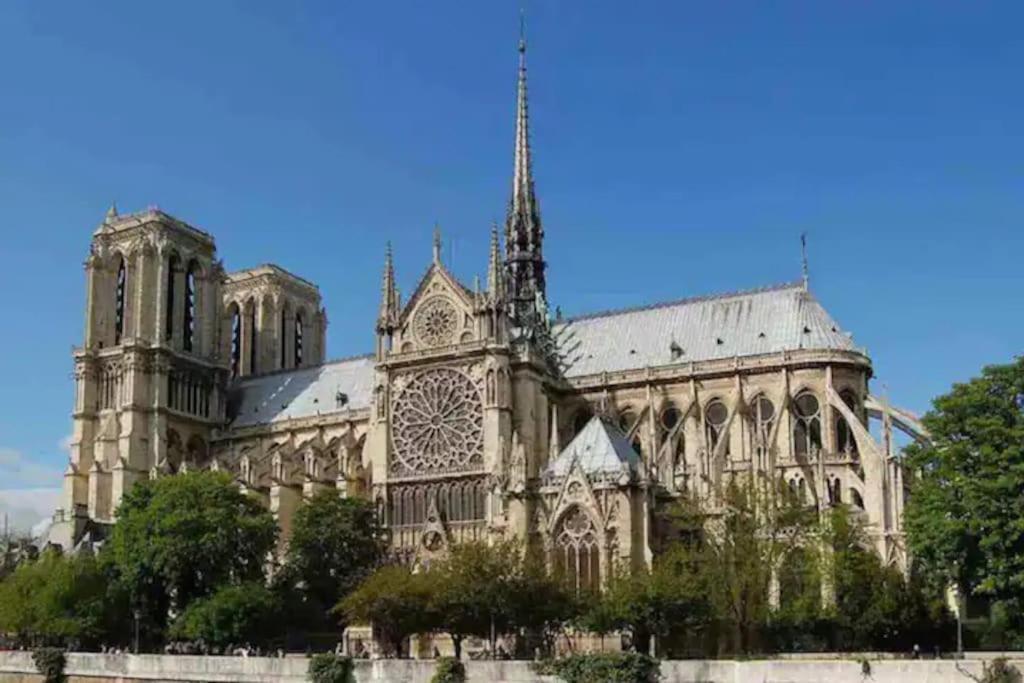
17, 667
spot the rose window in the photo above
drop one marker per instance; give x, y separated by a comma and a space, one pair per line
435, 322
438, 423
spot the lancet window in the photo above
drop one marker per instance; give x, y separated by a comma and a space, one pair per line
576, 552
806, 425
189, 322
173, 266
236, 340
119, 300
667, 422
298, 339
251, 335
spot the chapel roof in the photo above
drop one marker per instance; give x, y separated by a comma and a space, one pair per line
760, 321
600, 449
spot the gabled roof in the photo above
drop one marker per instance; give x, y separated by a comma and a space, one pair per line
302, 392
599, 449
769, 320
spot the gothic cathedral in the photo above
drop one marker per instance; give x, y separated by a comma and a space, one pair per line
479, 415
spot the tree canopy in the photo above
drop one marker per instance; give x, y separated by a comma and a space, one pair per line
965, 515
181, 538
335, 543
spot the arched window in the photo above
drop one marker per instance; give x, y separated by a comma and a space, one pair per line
576, 553
715, 417
846, 443
298, 339
762, 417
806, 425
836, 492
189, 327
119, 300
627, 418
251, 336
236, 340
856, 499
173, 265
480, 504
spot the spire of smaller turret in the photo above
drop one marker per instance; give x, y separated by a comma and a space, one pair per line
111, 213
388, 293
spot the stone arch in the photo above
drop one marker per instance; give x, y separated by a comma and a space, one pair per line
196, 451
175, 450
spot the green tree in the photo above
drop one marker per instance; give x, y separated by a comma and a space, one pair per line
181, 538
335, 543
395, 601
965, 517
58, 599
245, 613
670, 598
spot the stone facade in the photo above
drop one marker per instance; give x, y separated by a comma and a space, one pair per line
479, 415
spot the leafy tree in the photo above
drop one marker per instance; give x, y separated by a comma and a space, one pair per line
395, 600
669, 597
965, 517
181, 538
472, 590
246, 613
58, 599
335, 543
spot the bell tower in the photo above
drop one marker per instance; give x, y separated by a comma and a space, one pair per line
149, 377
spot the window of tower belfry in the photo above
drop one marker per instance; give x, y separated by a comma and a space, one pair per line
119, 300
189, 326
298, 339
173, 265
236, 340
251, 335
806, 425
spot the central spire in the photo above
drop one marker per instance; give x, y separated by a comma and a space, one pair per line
524, 234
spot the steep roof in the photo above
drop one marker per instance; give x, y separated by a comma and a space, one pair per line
769, 320
302, 392
600, 449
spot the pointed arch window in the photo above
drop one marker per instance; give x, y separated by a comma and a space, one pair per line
298, 339
251, 336
806, 425
189, 322
716, 415
236, 340
173, 265
670, 418
119, 300
576, 553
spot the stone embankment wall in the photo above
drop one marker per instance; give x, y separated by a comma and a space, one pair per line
17, 667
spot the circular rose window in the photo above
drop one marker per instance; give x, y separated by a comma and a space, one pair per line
435, 322
438, 423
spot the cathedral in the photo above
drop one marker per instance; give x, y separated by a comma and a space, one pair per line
479, 414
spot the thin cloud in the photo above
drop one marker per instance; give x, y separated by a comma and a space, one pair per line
19, 472
28, 510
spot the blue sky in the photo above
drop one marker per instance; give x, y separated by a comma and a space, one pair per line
680, 148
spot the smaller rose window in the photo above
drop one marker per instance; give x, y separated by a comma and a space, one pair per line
436, 321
